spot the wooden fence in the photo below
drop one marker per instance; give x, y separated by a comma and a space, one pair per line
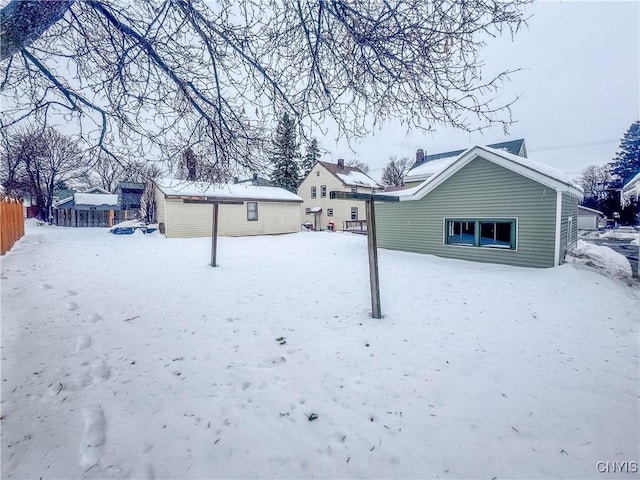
11, 223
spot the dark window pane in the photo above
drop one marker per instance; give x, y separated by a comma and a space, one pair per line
461, 233
495, 234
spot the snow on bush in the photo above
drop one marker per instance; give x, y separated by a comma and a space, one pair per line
602, 259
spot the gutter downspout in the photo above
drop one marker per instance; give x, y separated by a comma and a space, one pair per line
556, 259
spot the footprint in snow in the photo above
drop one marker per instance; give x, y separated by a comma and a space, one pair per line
93, 436
84, 342
46, 286
72, 306
101, 371
71, 293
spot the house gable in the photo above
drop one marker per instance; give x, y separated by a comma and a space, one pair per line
478, 189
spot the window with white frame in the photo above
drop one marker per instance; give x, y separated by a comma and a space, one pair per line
485, 233
323, 191
307, 211
252, 211
313, 192
354, 213
329, 212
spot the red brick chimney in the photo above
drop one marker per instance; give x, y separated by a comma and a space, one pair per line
419, 156
341, 163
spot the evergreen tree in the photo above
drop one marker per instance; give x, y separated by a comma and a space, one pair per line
285, 155
626, 163
310, 158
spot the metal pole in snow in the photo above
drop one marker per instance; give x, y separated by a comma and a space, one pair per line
372, 247
214, 235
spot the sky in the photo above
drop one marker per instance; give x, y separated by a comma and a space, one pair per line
579, 91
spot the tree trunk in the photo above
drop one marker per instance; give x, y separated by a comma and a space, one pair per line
23, 21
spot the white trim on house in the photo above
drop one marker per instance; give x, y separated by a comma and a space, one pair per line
444, 232
556, 249
538, 172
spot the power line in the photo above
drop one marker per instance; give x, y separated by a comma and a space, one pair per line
574, 145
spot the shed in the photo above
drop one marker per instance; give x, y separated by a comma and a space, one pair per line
486, 205
93, 208
588, 218
262, 211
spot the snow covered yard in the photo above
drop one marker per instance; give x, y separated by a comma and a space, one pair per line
130, 357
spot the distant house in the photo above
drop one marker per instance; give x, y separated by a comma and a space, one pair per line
486, 205
130, 198
590, 219
255, 180
427, 165
261, 211
631, 190
92, 208
320, 211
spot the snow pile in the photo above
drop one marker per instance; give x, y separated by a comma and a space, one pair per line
622, 233
602, 258
635, 241
131, 357
129, 224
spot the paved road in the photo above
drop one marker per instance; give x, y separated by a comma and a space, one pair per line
622, 247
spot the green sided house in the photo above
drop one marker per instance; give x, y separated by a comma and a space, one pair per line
485, 205
258, 210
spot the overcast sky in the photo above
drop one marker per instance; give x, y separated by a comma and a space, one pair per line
579, 91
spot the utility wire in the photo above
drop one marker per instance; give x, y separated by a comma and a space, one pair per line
574, 145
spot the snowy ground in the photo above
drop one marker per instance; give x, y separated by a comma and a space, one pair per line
129, 357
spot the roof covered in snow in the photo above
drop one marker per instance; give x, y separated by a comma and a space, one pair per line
172, 187
632, 187
351, 176
433, 163
95, 199
539, 172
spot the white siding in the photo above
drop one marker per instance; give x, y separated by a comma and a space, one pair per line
194, 220
341, 208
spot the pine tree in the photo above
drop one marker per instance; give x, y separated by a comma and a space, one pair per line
285, 155
626, 163
310, 158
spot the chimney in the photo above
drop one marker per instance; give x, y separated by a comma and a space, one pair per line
341, 163
419, 156
235, 179
255, 178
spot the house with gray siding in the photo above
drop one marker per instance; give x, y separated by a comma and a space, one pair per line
485, 205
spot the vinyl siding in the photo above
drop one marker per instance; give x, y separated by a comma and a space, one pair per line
341, 208
481, 189
194, 220
569, 209
160, 206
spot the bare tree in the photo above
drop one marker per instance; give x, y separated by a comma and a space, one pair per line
46, 159
358, 164
595, 181
107, 171
395, 171
147, 76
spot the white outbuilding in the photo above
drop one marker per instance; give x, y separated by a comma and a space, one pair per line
256, 210
589, 219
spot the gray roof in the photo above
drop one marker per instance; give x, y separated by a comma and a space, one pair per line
515, 147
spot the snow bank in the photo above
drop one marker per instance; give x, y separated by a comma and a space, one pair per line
130, 357
602, 259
